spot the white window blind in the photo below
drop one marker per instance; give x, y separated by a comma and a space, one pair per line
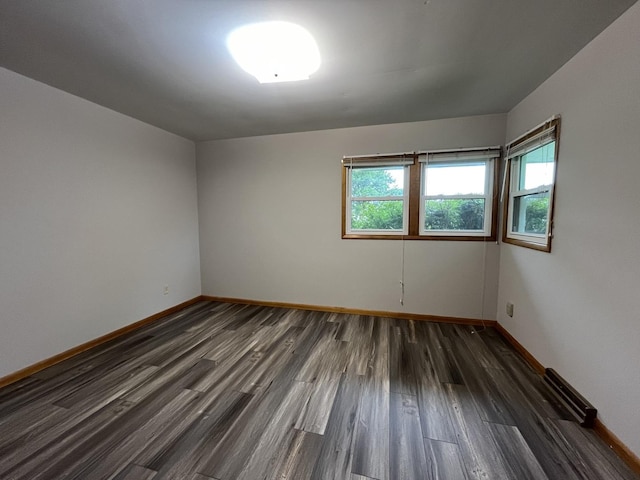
459, 155
542, 138
390, 159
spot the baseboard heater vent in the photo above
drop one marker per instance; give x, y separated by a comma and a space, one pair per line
583, 410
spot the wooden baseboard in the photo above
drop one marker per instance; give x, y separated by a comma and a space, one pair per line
355, 311
537, 366
617, 446
601, 430
36, 367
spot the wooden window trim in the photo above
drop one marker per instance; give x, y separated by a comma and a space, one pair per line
414, 210
546, 247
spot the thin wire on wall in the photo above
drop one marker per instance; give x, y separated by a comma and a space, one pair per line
402, 274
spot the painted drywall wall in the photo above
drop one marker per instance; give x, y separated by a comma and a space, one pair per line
97, 213
270, 224
576, 309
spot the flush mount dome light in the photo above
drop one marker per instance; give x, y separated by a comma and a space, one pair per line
274, 51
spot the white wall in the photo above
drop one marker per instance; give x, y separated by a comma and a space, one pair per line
97, 213
270, 224
576, 309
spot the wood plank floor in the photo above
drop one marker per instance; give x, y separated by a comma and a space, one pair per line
226, 392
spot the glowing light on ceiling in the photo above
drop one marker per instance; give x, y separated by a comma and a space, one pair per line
275, 51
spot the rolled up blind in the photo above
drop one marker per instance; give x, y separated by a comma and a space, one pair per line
518, 147
459, 155
390, 159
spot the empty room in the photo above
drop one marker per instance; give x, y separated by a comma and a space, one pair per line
357, 240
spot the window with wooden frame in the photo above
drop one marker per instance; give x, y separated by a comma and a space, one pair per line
457, 197
439, 195
376, 195
530, 186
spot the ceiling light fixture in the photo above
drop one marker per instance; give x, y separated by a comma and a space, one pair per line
275, 51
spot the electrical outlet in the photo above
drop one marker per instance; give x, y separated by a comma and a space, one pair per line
166, 290
510, 309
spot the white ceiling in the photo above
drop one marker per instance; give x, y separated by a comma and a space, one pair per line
165, 61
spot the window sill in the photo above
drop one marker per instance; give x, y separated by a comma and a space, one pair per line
541, 247
450, 238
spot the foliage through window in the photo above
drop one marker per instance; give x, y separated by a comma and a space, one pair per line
458, 193
377, 199
444, 195
531, 179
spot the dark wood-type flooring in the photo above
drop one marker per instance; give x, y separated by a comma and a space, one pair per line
220, 391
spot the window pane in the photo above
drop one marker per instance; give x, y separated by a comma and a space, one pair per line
530, 213
454, 214
537, 167
377, 215
455, 178
377, 182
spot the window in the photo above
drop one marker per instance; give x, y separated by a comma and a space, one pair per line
531, 172
377, 195
446, 195
457, 193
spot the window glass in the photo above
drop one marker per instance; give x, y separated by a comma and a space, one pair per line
431, 195
377, 182
377, 199
530, 213
454, 214
456, 179
457, 198
532, 163
377, 215
536, 167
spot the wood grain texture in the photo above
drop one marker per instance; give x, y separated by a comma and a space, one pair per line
32, 369
480, 455
135, 472
335, 457
359, 311
316, 412
585, 452
433, 402
535, 364
401, 364
221, 391
443, 461
278, 437
632, 460
516, 454
439, 352
296, 460
371, 443
407, 455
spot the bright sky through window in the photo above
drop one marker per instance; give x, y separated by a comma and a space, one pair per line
472, 180
537, 167
398, 178
456, 180
450, 181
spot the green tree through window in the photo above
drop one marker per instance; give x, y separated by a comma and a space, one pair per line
454, 214
434, 195
375, 214
374, 182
